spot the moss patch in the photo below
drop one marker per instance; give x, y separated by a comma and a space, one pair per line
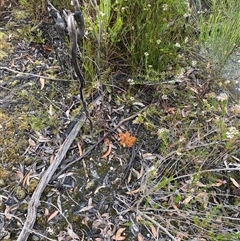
5, 46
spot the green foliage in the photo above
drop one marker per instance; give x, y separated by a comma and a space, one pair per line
32, 34
43, 119
33, 7
162, 184
177, 198
150, 35
220, 31
225, 236
37, 8
154, 32
147, 35
5, 47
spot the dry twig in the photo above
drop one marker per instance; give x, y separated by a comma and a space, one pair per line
34, 202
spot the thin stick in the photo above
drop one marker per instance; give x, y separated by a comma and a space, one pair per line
33, 75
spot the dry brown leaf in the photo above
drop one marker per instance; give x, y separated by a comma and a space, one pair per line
181, 138
133, 192
203, 198
51, 110
32, 142
47, 47
235, 183
219, 183
154, 231
137, 173
106, 215
187, 200
148, 156
51, 159
106, 141
53, 215
79, 149
61, 236
71, 233
12, 63
90, 201
180, 236
195, 90
98, 188
129, 177
200, 184
214, 198
85, 169
43, 138
236, 109
118, 234
46, 212
185, 112
7, 212
139, 218
59, 203
141, 171
96, 223
42, 83
26, 179
84, 209
30, 59
171, 110
19, 175
176, 208
2, 3
140, 237
85, 220
26, 151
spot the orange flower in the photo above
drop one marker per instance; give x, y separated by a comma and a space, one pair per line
126, 139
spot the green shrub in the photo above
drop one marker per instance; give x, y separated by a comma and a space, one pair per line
147, 35
220, 31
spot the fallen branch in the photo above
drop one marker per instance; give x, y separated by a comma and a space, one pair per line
34, 202
47, 176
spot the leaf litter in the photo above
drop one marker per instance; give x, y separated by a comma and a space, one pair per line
108, 213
